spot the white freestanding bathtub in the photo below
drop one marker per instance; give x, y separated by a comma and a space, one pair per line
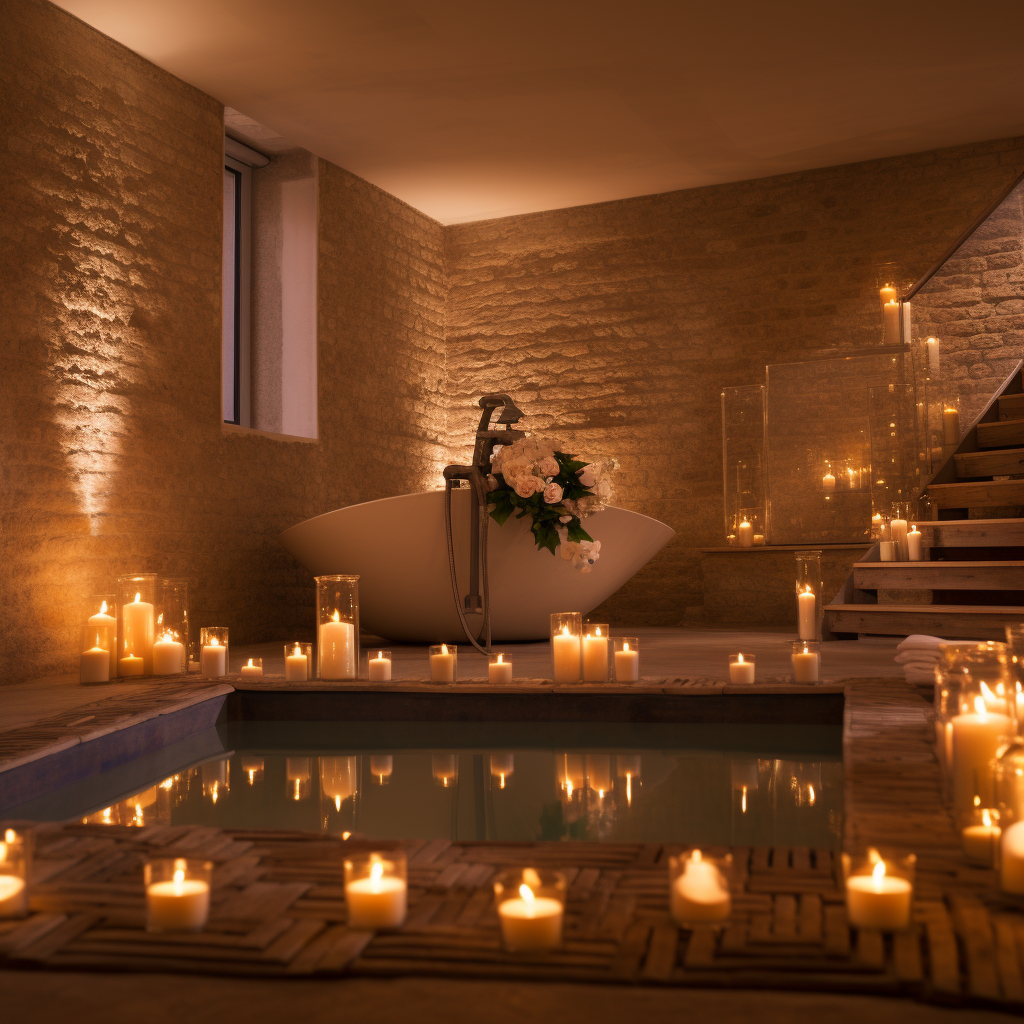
397, 548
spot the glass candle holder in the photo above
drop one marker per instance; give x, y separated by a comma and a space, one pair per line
879, 890
99, 633
741, 668
531, 909
213, 651
376, 890
177, 894
979, 835
172, 626
566, 634
378, 666
14, 872
138, 599
806, 659
626, 656
595, 652
950, 417
381, 768
194, 654
337, 616
298, 777
1013, 651
887, 551
499, 668
877, 522
808, 595
444, 666
445, 769
252, 669
699, 889
298, 662
503, 767
889, 281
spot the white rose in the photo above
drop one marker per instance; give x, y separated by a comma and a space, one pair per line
552, 494
587, 478
524, 487
513, 470
539, 483
548, 466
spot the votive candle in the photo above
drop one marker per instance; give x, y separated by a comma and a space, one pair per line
741, 669
499, 670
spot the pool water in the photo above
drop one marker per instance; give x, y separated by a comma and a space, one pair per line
778, 785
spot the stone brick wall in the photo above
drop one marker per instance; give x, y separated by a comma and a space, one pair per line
112, 452
616, 325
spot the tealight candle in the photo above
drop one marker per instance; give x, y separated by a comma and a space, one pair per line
976, 738
379, 668
699, 891
376, 891
805, 660
499, 670
745, 534
442, 664
168, 656
981, 839
878, 900
627, 661
595, 653
213, 659
1011, 860
181, 902
252, 670
531, 915
741, 669
914, 548
296, 663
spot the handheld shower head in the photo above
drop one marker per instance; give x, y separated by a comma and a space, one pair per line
510, 412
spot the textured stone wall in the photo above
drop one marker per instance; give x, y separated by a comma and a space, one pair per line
112, 452
616, 325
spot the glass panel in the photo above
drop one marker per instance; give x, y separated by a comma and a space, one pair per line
743, 475
229, 327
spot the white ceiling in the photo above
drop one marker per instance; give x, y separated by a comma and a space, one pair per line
469, 109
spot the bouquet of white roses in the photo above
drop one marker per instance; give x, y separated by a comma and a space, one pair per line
557, 490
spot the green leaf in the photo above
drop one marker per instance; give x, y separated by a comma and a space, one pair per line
501, 513
576, 532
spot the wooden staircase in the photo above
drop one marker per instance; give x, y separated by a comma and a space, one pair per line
972, 584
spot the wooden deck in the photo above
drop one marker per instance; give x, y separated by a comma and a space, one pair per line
279, 911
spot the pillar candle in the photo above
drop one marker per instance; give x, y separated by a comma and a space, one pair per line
805, 666
181, 905
168, 656
130, 666
741, 671
295, 668
95, 666
807, 614
828, 483
976, 738
530, 923
887, 293
1011, 874
745, 534
337, 649
213, 659
103, 626
500, 671
914, 545
595, 656
139, 632
878, 900
252, 671
758, 540
886, 551
627, 665
891, 322
566, 656
379, 668
13, 895
442, 666
980, 840
950, 426
700, 893
898, 535
933, 356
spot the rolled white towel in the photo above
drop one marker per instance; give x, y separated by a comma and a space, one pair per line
920, 641
905, 657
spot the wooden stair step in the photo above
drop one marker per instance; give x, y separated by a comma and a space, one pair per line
938, 575
1011, 407
974, 533
1000, 433
966, 621
997, 462
977, 494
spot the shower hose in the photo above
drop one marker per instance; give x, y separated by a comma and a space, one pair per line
485, 631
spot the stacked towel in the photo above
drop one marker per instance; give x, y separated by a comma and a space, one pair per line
919, 655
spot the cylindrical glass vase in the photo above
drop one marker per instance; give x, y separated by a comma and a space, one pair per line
138, 603
378, 666
444, 663
298, 662
531, 904
376, 891
806, 659
595, 652
499, 668
808, 595
213, 651
566, 634
626, 655
177, 894
337, 616
879, 890
950, 417
172, 623
100, 632
699, 889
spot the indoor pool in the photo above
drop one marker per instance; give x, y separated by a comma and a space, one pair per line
704, 783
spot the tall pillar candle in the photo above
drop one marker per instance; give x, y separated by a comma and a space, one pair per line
595, 654
566, 656
337, 649
898, 533
950, 426
976, 738
745, 534
891, 322
139, 632
806, 603
914, 546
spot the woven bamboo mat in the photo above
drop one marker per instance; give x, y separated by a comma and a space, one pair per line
278, 909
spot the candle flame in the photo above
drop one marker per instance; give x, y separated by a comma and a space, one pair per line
444, 648
380, 655
739, 660
501, 659
336, 617
250, 664
744, 523
986, 692
810, 794
10, 835
743, 801
598, 631
297, 651
986, 818
252, 776
565, 631
138, 597
214, 642
166, 637
807, 589
977, 800
625, 645
629, 789
103, 607
501, 781
527, 894
805, 649
878, 873
376, 874
979, 706
696, 856
179, 880
337, 803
